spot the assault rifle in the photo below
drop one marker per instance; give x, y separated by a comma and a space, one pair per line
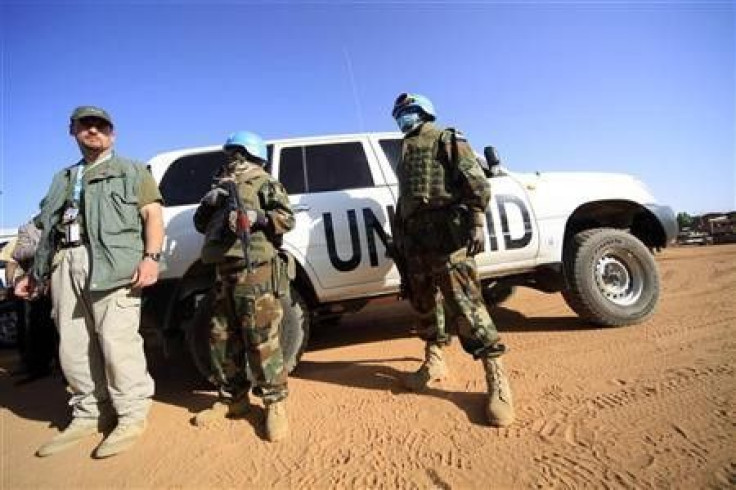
395, 250
242, 223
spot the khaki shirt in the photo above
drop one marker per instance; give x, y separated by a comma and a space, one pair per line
6, 254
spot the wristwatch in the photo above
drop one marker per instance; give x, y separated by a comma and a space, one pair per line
155, 256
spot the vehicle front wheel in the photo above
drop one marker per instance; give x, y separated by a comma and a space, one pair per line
294, 334
295, 328
612, 277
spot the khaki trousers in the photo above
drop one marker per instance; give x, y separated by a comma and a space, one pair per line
100, 349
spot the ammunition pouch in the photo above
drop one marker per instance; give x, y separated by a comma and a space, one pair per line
284, 271
438, 231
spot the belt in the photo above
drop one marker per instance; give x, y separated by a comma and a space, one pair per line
236, 264
64, 245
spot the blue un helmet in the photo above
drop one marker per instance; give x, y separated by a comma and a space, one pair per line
411, 109
250, 142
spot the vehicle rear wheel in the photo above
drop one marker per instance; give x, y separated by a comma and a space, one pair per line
9, 322
612, 277
197, 334
294, 334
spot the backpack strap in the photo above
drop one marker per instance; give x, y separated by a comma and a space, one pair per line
448, 145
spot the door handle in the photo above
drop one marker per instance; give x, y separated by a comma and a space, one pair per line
301, 208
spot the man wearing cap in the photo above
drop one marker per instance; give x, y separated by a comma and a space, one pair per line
101, 236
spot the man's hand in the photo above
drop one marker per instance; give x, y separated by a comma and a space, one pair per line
26, 288
145, 275
214, 197
153, 231
476, 243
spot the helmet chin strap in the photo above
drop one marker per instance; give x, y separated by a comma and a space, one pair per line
241, 161
236, 159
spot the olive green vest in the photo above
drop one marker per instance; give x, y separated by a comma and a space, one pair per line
112, 221
429, 220
425, 179
223, 243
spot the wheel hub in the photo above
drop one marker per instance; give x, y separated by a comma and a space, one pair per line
618, 278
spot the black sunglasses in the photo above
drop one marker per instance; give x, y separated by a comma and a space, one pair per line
97, 122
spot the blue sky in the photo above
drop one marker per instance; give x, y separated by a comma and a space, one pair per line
641, 87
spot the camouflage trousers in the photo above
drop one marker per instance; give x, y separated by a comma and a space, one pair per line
244, 332
447, 298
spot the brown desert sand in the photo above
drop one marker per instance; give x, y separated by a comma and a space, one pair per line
644, 406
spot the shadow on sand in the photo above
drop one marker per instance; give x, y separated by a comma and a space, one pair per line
375, 374
179, 383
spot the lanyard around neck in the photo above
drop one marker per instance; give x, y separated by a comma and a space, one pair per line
82, 169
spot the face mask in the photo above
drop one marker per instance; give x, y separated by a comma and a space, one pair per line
408, 121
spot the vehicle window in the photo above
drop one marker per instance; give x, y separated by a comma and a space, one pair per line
337, 167
392, 150
190, 177
269, 151
292, 173
321, 168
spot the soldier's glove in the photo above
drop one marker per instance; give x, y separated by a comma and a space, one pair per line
215, 197
476, 242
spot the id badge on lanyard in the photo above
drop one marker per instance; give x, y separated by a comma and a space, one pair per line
71, 233
71, 224
71, 214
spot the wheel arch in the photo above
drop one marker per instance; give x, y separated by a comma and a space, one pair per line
620, 214
302, 281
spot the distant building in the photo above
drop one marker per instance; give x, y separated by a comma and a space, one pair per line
720, 226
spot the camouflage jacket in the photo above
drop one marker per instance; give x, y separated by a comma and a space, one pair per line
258, 191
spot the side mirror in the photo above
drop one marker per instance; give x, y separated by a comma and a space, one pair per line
491, 156
492, 160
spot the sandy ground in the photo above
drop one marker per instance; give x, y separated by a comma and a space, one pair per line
646, 406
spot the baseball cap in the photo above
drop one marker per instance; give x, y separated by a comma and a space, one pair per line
90, 111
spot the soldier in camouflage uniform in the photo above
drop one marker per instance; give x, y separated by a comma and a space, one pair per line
247, 311
439, 220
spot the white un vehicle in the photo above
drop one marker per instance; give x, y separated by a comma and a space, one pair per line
589, 236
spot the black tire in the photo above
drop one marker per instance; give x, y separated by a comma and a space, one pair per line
197, 335
495, 292
612, 277
295, 328
294, 332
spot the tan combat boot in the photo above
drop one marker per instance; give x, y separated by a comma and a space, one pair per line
500, 408
223, 409
433, 369
277, 423
78, 429
121, 439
